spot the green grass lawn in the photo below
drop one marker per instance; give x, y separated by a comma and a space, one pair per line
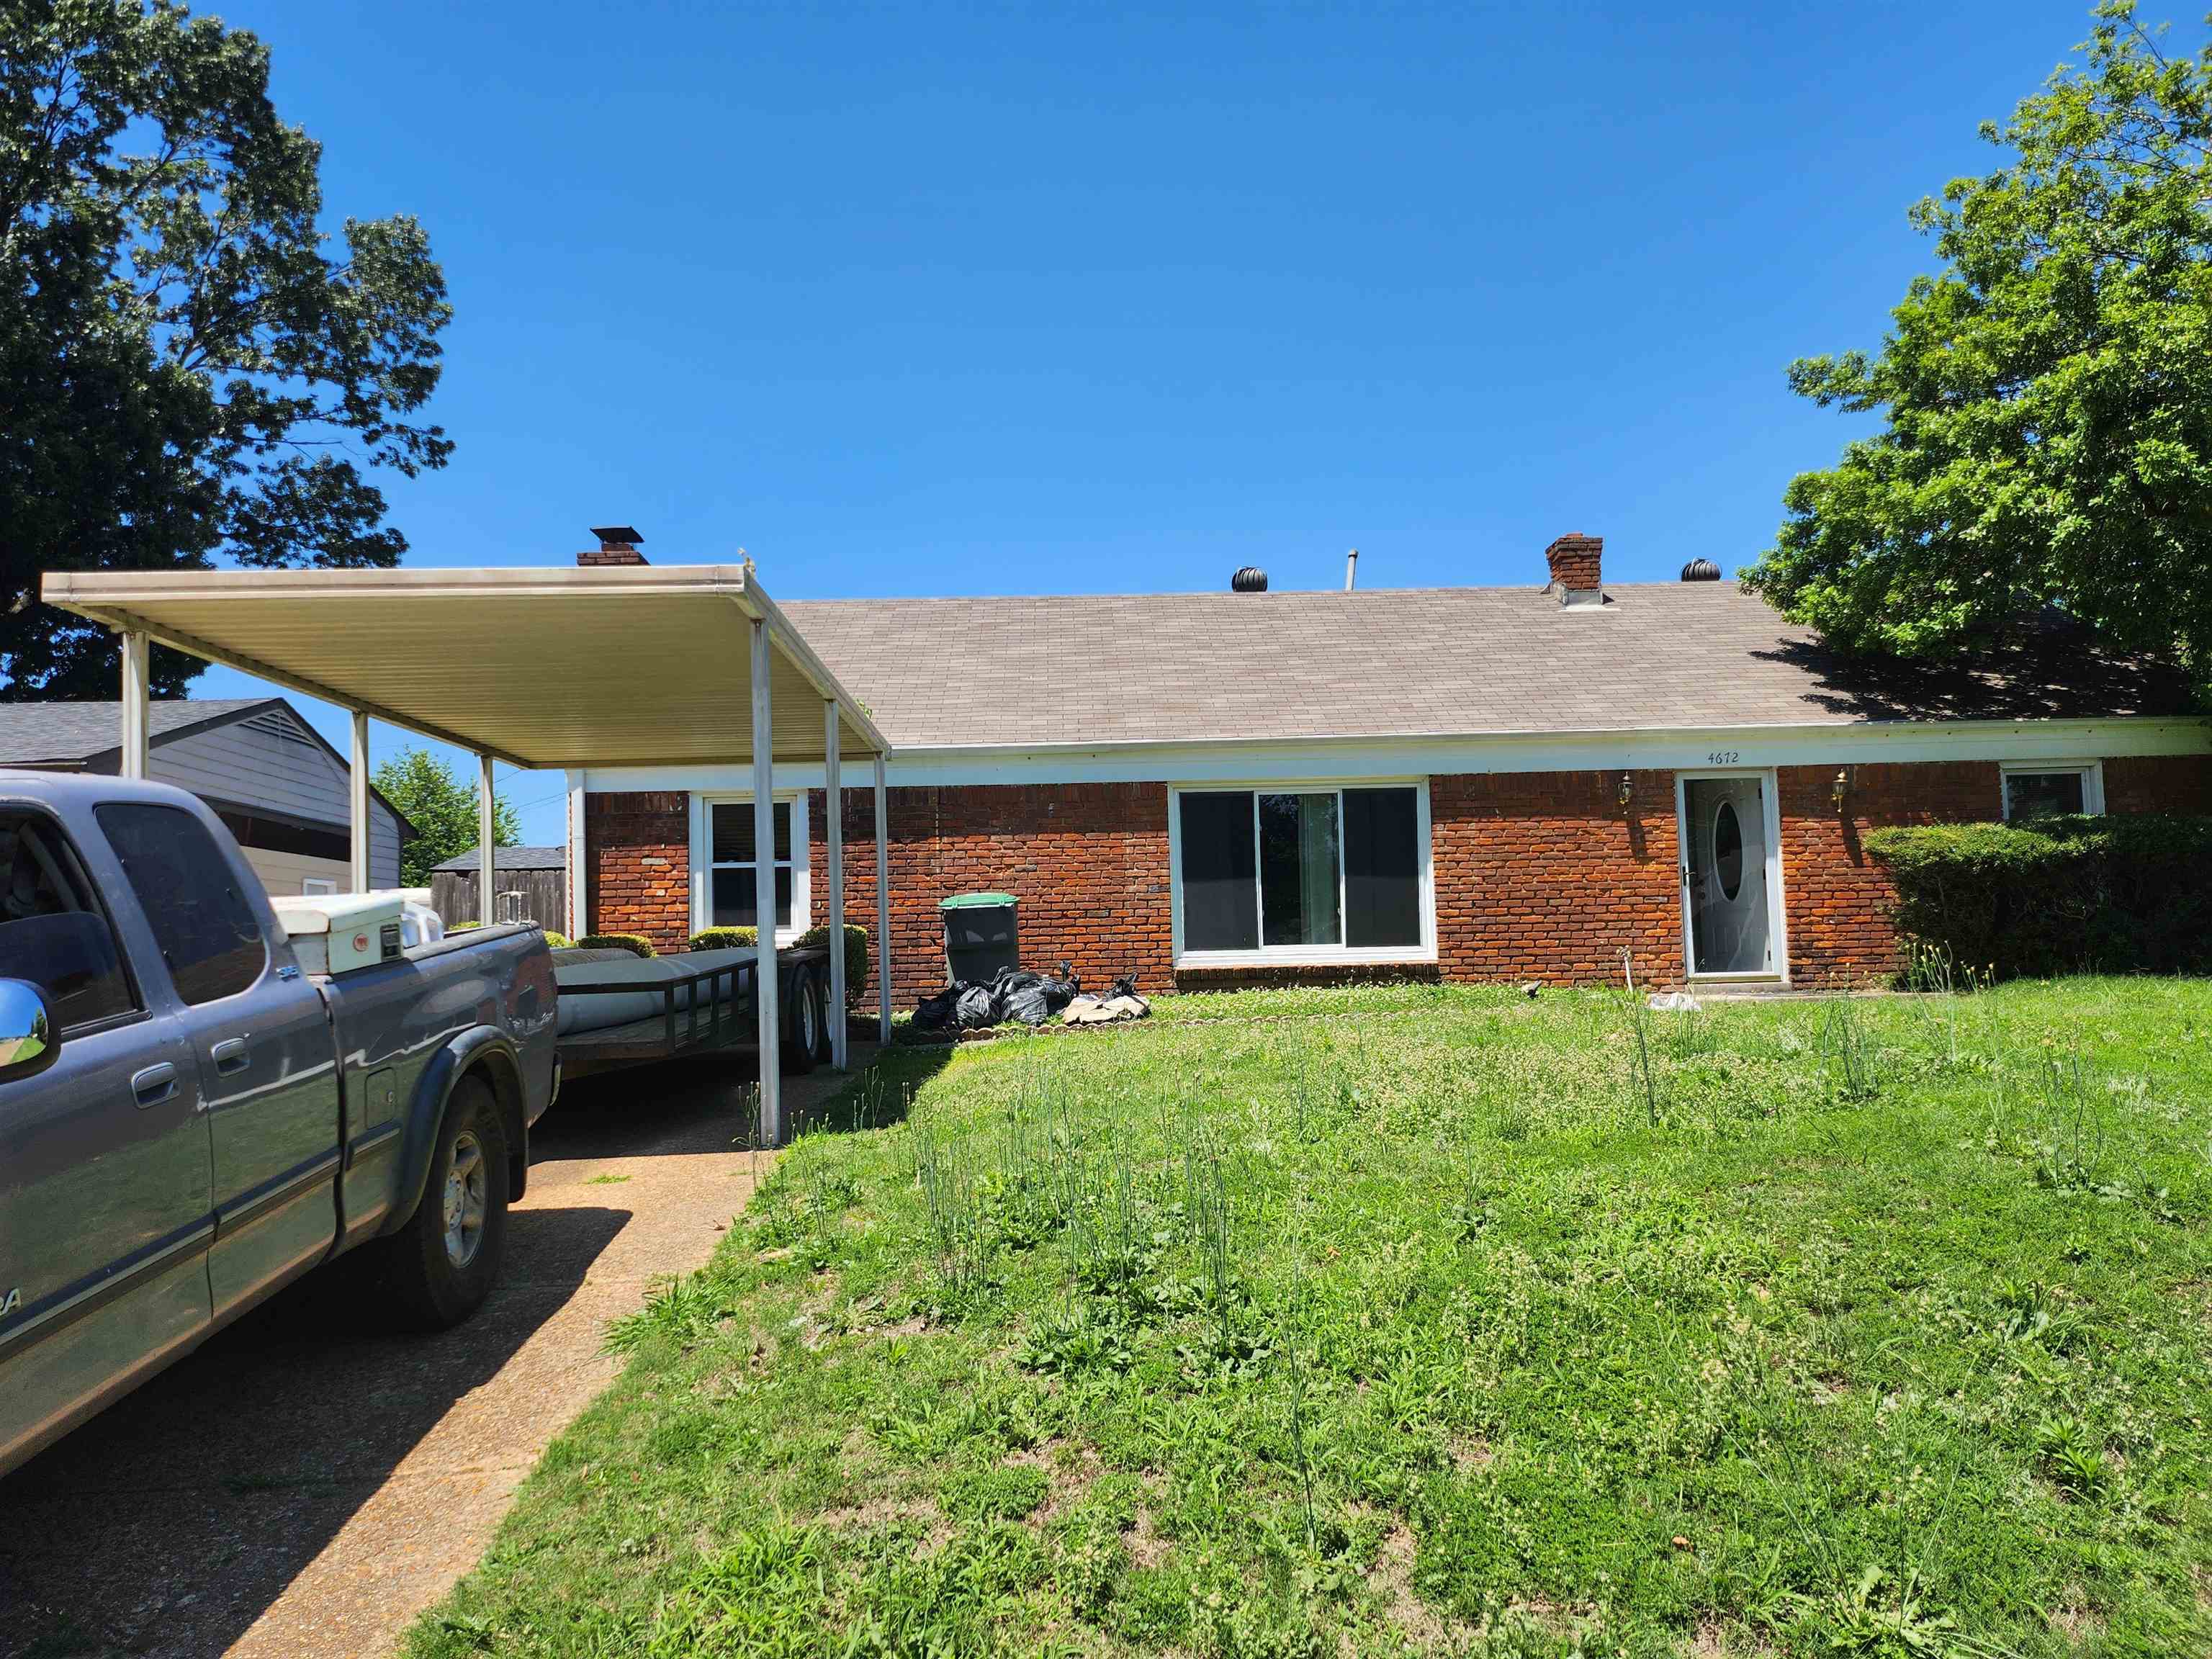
1434, 1320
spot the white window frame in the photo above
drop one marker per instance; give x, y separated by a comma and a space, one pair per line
1293, 956
702, 855
2092, 773
1777, 901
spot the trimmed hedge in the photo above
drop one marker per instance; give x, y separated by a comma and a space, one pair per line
744, 939
2130, 894
636, 943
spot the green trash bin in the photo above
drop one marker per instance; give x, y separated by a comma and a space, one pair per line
980, 935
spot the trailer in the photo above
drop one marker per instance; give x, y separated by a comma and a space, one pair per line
617, 1010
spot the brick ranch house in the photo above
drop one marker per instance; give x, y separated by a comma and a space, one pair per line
1466, 783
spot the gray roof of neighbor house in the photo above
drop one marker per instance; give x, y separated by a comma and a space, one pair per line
508, 857
61, 734
31, 733
1416, 662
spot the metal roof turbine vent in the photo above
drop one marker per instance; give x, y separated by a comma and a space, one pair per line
1701, 570
1250, 580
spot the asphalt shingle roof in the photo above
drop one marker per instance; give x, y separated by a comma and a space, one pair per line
1409, 662
33, 732
510, 858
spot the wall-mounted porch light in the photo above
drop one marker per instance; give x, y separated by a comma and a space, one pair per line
1626, 793
1842, 787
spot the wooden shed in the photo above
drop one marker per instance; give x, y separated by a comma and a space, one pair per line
530, 884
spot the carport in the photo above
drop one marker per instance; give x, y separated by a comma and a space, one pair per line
555, 669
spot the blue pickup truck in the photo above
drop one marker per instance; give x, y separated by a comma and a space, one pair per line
189, 1120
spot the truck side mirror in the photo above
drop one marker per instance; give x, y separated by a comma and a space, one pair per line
29, 1041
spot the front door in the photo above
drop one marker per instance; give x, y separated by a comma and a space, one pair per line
1728, 899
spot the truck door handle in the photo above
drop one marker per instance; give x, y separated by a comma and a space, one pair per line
229, 1055
155, 1084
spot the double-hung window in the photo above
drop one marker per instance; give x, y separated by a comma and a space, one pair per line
1305, 872
723, 855
2043, 790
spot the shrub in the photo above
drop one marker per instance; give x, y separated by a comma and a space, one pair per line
744, 939
2111, 895
636, 943
725, 938
856, 954
555, 941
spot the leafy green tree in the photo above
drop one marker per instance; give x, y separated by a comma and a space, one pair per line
2046, 396
188, 371
443, 810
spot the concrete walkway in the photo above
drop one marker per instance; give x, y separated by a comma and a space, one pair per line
300, 1487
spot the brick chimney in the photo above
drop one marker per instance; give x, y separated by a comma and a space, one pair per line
1574, 561
617, 545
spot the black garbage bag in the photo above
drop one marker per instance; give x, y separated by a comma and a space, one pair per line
977, 1005
934, 1013
1031, 1003
1124, 987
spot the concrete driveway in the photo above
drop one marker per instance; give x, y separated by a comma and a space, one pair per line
303, 1486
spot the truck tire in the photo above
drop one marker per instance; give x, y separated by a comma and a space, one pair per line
802, 1037
440, 1267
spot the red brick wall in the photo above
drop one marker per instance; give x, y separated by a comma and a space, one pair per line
2177, 783
1545, 876
1089, 863
637, 865
1835, 898
1539, 876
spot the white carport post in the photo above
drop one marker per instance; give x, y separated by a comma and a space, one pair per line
136, 732
764, 985
883, 907
357, 819
484, 800
832, 782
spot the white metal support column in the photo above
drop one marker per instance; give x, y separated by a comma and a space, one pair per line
358, 821
883, 907
484, 800
578, 924
764, 983
136, 731
833, 781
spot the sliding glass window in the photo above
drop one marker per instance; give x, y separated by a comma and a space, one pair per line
1305, 869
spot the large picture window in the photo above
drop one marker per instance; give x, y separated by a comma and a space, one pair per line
1303, 873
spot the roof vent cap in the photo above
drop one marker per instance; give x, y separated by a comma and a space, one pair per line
1701, 570
1250, 580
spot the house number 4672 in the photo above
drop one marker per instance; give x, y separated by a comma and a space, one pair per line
1722, 757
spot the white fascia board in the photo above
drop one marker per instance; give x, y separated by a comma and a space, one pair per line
1351, 758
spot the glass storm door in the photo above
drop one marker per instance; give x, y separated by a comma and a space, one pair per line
1724, 881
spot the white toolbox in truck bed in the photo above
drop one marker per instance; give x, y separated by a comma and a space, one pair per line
339, 932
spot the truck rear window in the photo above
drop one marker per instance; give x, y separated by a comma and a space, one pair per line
52, 932
205, 928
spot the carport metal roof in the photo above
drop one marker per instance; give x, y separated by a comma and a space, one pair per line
557, 668
540, 668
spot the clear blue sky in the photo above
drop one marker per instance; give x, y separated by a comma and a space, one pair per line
935, 299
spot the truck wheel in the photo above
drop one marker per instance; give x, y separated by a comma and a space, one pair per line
442, 1265
802, 1039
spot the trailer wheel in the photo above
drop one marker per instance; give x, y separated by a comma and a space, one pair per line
802, 1038
822, 1049
439, 1268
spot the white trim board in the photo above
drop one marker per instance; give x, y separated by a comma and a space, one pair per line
1360, 759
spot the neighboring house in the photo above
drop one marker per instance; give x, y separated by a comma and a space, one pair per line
1470, 784
267, 773
529, 884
